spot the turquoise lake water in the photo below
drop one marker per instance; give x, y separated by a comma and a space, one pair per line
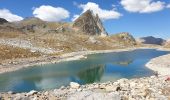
96, 68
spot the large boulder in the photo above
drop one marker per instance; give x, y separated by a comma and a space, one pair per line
89, 24
74, 85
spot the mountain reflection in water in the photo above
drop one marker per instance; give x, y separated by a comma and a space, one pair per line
96, 68
92, 75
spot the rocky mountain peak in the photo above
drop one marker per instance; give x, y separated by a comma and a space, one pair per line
90, 24
2, 21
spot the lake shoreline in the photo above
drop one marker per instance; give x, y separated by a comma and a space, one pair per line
145, 88
160, 64
123, 89
31, 62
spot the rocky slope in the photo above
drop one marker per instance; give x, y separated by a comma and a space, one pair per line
124, 39
55, 38
149, 88
167, 44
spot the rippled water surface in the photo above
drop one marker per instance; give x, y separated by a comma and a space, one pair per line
96, 68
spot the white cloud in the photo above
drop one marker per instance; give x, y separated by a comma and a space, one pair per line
6, 14
142, 6
103, 13
49, 13
168, 6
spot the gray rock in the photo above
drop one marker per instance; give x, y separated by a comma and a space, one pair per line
10, 92
46, 93
74, 85
32, 92
89, 95
110, 88
21, 97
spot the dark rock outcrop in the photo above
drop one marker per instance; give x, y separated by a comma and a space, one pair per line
2, 21
89, 24
152, 40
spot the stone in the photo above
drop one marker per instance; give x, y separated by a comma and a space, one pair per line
102, 86
79, 90
21, 97
132, 84
122, 80
32, 92
10, 92
152, 76
96, 86
89, 95
46, 93
74, 85
62, 87
110, 88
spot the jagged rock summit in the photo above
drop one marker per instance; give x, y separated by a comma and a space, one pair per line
2, 21
90, 24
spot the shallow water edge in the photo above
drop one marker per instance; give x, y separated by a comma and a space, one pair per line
25, 63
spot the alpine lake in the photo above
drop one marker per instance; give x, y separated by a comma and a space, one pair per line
101, 67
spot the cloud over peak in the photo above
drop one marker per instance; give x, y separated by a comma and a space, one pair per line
9, 16
142, 6
104, 14
50, 13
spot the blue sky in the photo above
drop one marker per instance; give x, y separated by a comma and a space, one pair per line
138, 17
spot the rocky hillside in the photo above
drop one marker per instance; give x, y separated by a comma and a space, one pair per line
167, 44
89, 24
152, 40
55, 38
124, 39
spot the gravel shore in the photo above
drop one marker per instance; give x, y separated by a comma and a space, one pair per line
160, 64
147, 88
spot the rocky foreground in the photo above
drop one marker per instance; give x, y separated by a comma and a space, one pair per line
147, 88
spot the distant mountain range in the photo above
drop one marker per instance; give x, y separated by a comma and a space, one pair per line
152, 40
